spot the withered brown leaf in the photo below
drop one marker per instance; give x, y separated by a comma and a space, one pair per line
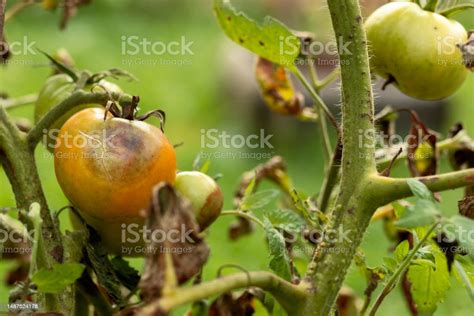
422, 153
168, 214
276, 88
229, 305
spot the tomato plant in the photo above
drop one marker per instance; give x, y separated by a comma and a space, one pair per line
126, 198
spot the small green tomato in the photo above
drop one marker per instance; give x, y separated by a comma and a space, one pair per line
204, 194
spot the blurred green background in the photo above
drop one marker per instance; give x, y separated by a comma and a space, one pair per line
212, 88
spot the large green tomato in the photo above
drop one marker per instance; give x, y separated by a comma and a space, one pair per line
417, 49
55, 90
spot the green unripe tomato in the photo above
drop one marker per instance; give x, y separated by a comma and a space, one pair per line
56, 89
417, 49
204, 194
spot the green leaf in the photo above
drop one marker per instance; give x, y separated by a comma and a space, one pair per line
464, 272
250, 188
423, 213
258, 200
450, 8
401, 251
58, 278
272, 40
279, 257
286, 219
390, 263
420, 190
429, 284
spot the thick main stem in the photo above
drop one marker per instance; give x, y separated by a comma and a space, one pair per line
354, 206
21, 170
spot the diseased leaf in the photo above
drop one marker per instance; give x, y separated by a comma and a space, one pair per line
272, 40
58, 278
278, 92
279, 257
422, 153
98, 259
467, 49
429, 284
385, 121
229, 305
466, 207
188, 253
127, 275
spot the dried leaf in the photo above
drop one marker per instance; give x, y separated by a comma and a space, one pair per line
97, 257
467, 50
228, 305
168, 214
347, 303
422, 153
466, 207
386, 123
70, 10
276, 88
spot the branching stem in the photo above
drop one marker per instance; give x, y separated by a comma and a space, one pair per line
289, 295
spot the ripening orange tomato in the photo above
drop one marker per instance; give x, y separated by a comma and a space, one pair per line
107, 169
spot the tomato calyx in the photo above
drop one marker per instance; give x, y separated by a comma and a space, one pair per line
129, 111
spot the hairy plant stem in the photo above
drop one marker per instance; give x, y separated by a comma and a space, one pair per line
331, 178
319, 102
354, 205
322, 119
290, 296
392, 189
